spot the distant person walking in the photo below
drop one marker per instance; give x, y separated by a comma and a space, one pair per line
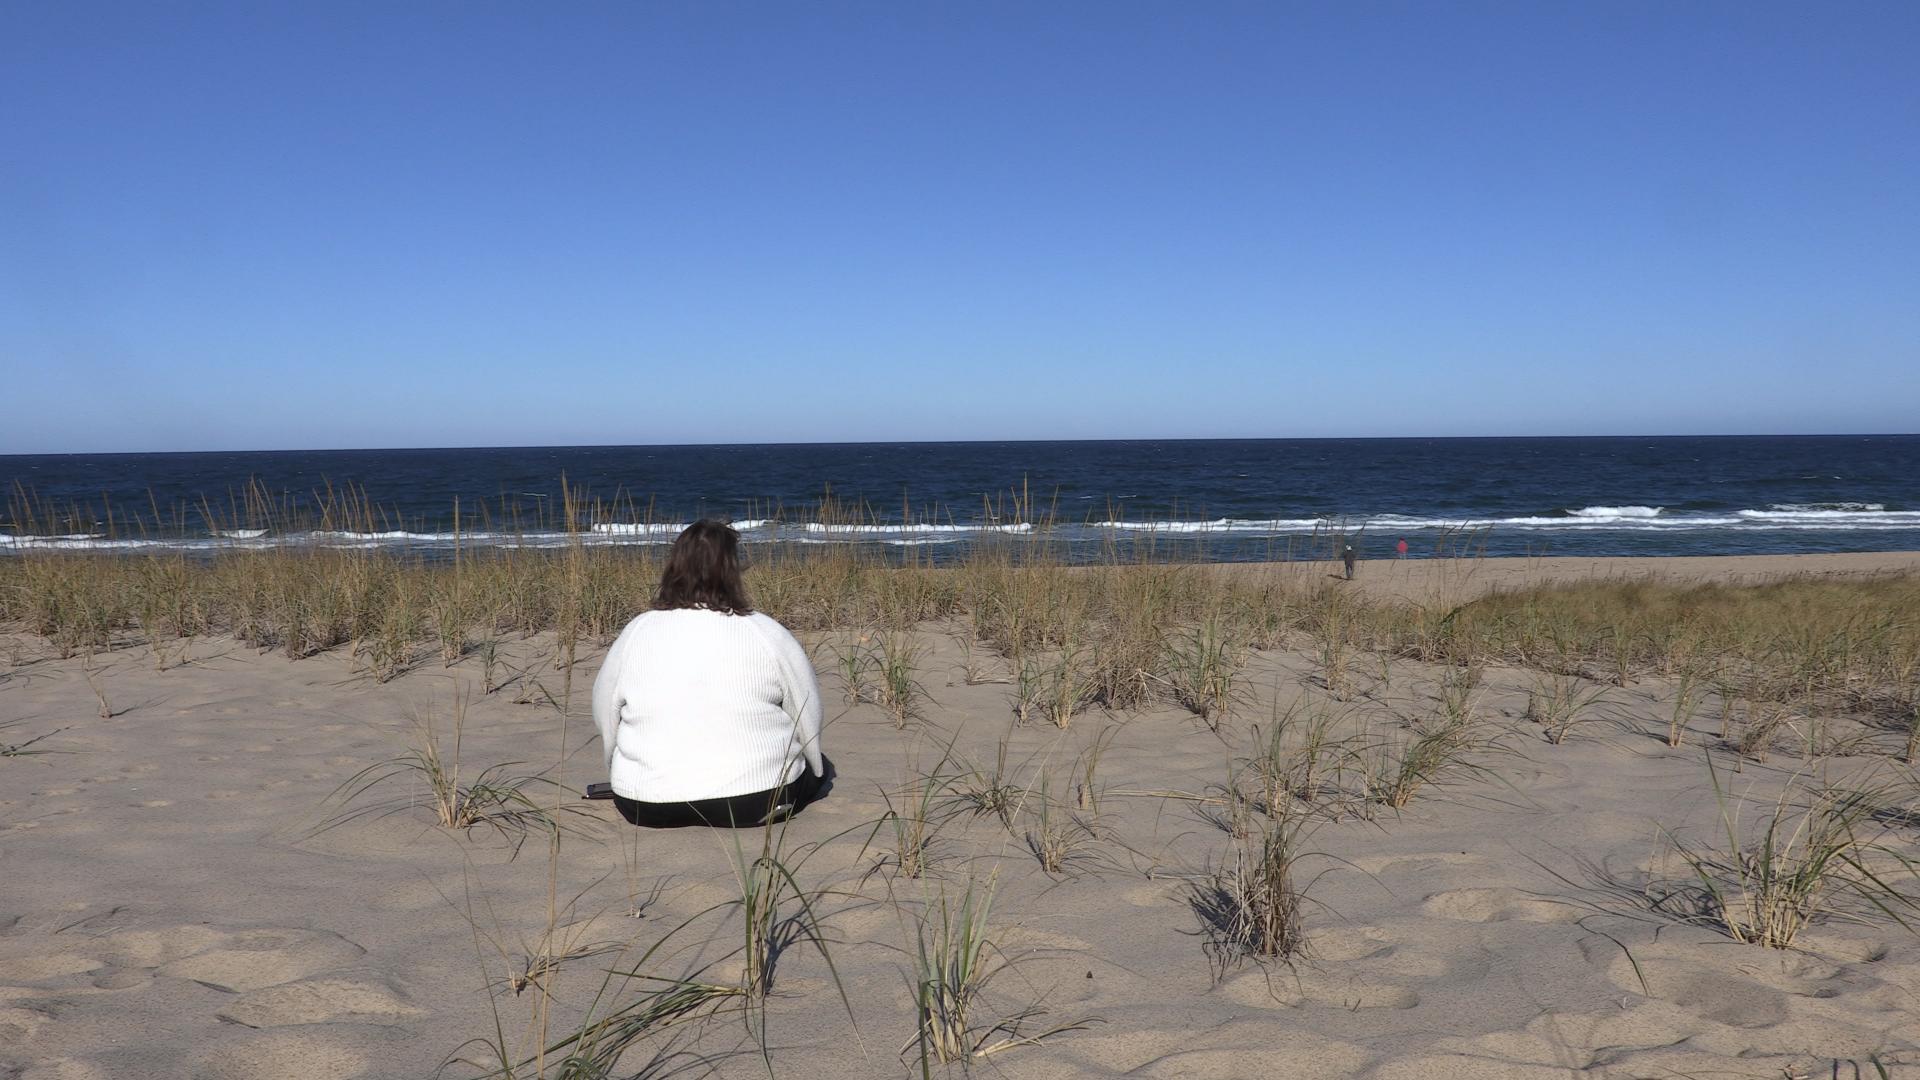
1348, 557
1401, 547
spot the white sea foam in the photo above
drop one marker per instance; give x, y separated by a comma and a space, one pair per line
615, 528
1221, 525
1616, 512
61, 538
1832, 517
392, 534
914, 527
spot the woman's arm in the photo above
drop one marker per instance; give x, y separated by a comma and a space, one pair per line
800, 692
606, 695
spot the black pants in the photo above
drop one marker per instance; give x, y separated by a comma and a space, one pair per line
732, 812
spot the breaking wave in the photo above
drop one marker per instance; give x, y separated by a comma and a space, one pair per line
1832, 517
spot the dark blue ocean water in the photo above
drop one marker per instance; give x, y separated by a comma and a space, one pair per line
1230, 499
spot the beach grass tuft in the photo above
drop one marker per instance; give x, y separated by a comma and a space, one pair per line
1813, 853
1252, 905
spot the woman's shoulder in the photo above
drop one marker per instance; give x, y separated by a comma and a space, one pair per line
679, 618
770, 629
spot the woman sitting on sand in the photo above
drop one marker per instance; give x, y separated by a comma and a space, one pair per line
708, 711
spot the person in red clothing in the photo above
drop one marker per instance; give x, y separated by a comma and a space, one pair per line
1401, 547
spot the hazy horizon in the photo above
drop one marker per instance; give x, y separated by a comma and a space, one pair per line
964, 442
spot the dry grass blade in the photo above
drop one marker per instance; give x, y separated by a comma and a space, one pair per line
25, 749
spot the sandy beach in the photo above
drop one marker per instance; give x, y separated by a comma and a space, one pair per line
186, 892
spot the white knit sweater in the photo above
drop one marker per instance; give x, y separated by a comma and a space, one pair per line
697, 704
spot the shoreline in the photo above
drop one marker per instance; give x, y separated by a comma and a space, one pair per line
1466, 578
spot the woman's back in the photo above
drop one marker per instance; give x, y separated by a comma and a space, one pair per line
697, 704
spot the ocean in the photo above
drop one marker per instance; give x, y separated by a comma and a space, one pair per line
1215, 499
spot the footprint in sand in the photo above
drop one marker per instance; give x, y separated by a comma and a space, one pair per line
1497, 905
1301, 1054
1720, 996
1148, 896
1344, 944
1285, 990
278, 1055
151, 948
321, 1000
46, 967
65, 1069
1428, 1066
253, 959
122, 979
18, 1023
1418, 864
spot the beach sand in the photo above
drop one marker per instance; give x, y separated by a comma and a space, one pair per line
175, 901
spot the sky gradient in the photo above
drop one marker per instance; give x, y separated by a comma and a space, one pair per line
264, 226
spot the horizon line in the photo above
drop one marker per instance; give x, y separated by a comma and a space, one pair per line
970, 442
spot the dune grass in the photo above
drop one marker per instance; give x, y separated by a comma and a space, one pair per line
897, 687
1560, 703
989, 788
1057, 835
954, 957
1299, 756
1203, 670
497, 797
1129, 631
915, 812
1813, 853
1253, 903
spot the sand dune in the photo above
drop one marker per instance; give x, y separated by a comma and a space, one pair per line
168, 909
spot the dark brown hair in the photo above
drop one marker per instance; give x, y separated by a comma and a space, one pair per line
703, 571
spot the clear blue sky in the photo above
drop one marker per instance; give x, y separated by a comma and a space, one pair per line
282, 225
